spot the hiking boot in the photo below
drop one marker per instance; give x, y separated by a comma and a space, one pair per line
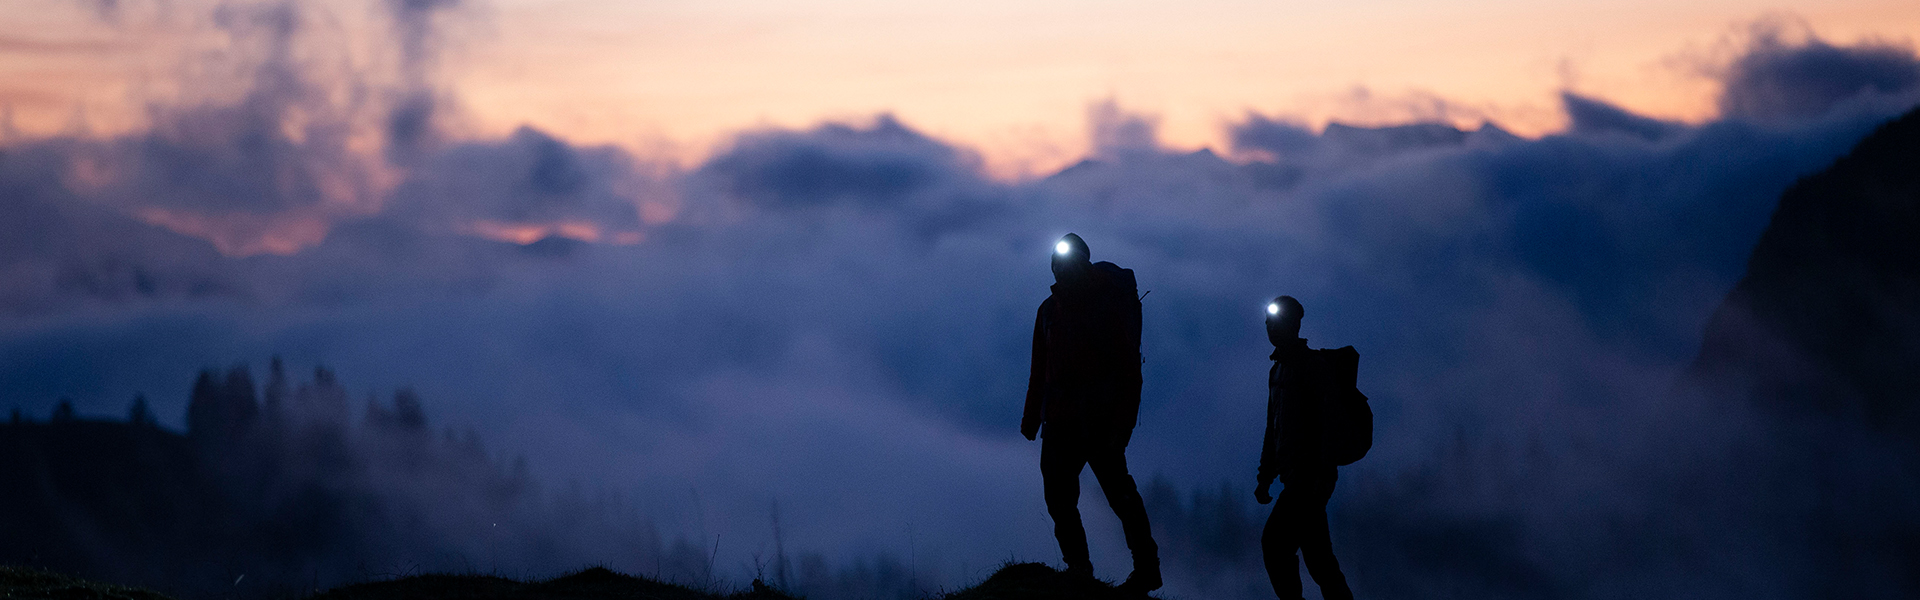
1142, 580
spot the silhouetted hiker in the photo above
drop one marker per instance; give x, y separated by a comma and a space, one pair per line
1085, 388
1295, 450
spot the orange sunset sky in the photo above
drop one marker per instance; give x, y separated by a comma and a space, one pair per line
1011, 79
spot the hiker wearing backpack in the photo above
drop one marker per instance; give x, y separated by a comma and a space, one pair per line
1083, 397
1317, 420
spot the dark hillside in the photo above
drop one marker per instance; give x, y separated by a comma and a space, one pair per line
1820, 342
1827, 317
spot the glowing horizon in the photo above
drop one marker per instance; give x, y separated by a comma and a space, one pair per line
674, 81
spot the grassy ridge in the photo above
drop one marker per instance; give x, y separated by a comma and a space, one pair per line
1017, 581
593, 583
1035, 581
25, 582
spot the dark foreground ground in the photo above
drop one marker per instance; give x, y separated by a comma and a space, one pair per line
1020, 581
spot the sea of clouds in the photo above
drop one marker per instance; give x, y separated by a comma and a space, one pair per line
836, 318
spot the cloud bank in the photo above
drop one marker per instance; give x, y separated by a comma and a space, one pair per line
835, 318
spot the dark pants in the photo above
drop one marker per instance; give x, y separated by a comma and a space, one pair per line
1062, 454
1299, 521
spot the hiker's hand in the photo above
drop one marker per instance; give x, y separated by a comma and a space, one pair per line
1029, 430
1260, 493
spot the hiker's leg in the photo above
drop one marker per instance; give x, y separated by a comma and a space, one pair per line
1277, 543
1060, 463
1316, 543
1110, 468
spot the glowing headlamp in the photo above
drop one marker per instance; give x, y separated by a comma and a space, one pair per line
1063, 248
1273, 309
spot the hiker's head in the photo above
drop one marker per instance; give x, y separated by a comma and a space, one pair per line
1070, 258
1283, 319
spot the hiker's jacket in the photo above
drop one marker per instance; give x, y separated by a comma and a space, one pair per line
1086, 355
1295, 388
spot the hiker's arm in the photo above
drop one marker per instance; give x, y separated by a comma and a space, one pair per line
1272, 458
1036, 378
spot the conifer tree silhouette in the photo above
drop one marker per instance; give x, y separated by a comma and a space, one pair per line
140, 415
63, 413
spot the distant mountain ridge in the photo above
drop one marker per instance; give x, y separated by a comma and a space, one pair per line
1814, 361
1827, 316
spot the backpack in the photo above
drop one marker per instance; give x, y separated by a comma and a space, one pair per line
1122, 306
1104, 326
1348, 434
